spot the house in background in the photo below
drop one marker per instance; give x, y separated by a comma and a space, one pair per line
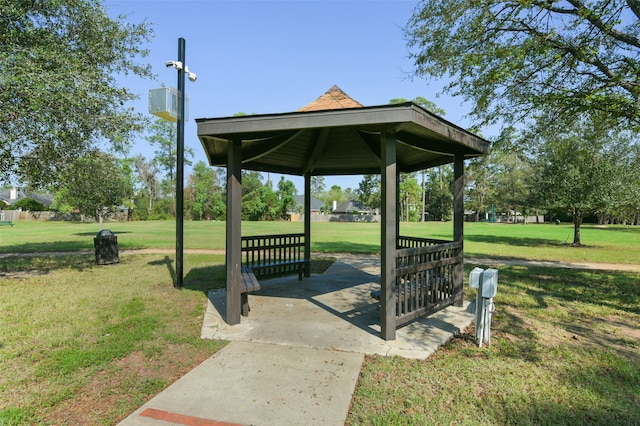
15, 194
316, 204
351, 207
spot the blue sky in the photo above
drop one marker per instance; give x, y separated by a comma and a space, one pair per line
267, 56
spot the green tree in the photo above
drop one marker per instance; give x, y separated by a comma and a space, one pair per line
317, 185
204, 193
423, 102
509, 58
28, 204
368, 192
259, 202
286, 195
627, 206
335, 193
434, 109
58, 92
574, 169
439, 197
147, 176
512, 171
479, 184
162, 135
95, 185
411, 197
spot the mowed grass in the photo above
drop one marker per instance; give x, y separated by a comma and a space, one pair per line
602, 244
565, 351
88, 344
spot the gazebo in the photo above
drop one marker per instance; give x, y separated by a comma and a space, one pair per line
335, 135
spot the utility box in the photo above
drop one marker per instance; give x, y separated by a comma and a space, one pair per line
163, 103
474, 277
106, 246
489, 283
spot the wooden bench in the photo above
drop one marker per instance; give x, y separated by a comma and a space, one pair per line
267, 256
248, 284
6, 222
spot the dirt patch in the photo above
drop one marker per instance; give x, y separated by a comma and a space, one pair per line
103, 398
22, 274
594, 332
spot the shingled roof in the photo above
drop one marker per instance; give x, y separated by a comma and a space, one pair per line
333, 98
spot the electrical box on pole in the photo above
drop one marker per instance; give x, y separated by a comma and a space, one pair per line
163, 103
486, 283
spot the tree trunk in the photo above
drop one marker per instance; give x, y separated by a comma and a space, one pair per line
422, 219
406, 197
577, 222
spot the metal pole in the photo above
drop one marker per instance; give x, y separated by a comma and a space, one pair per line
180, 166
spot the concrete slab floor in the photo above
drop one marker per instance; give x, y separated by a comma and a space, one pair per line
334, 311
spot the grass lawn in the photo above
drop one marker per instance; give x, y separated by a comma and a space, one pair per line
88, 344
565, 351
612, 244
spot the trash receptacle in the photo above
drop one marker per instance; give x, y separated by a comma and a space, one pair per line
106, 245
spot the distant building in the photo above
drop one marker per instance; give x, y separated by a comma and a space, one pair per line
15, 194
351, 207
315, 203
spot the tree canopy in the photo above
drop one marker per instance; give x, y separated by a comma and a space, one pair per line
577, 169
59, 98
512, 58
95, 185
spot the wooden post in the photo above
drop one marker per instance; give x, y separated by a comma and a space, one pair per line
234, 231
307, 224
389, 236
458, 225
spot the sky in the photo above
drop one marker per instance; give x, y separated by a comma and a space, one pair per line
267, 56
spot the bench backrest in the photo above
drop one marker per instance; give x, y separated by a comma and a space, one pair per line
272, 255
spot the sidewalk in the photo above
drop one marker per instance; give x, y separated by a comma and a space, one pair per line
297, 357
258, 384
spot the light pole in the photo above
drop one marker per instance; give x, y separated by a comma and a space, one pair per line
182, 70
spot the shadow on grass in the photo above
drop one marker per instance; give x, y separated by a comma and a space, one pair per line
200, 279
93, 234
83, 247
344, 247
517, 241
616, 228
44, 264
206, 278
169, 263
616, 290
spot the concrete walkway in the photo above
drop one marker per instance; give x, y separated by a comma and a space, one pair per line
297, 357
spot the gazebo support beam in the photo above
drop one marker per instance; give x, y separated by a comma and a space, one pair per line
389, 236
234, 229
458, 225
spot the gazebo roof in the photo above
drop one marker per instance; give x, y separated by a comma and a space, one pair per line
333, 98
331, 141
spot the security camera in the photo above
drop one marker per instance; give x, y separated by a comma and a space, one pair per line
192, 75
176, 64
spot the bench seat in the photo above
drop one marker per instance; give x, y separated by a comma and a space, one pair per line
248, 284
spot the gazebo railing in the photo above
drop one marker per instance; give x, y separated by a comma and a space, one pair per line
424, 276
